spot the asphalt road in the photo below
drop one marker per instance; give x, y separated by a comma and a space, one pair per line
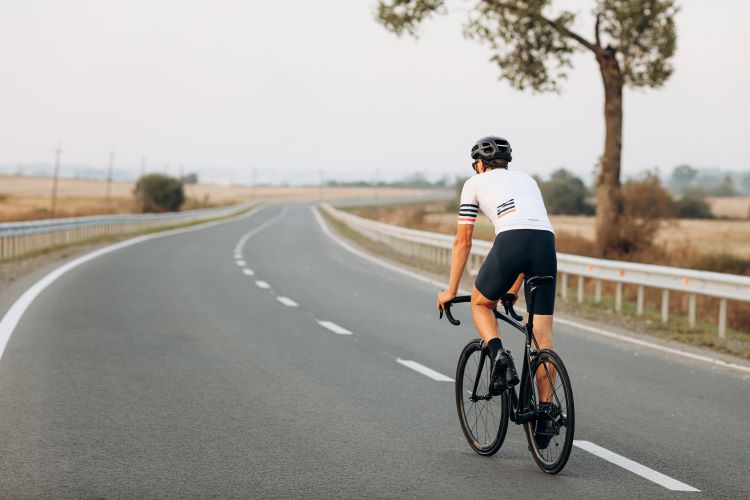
174, 368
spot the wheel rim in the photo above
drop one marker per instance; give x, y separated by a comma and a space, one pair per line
482, 417
557, 410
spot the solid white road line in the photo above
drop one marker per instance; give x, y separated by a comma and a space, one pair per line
16, 311
645, 343
262, 284
429, 372
241, 263
248, 272
366, 256
287, 301
564, 321
634, 467
338, 330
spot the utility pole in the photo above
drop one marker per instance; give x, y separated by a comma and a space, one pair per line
142, 183
109, 174
56, 174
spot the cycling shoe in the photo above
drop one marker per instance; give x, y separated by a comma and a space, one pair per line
504, 373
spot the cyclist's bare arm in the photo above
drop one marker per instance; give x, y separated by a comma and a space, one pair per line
459, 257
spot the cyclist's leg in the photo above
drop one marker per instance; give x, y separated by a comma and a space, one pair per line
483, 315
496, 276
543, 262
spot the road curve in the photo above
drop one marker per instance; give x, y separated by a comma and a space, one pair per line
259, 358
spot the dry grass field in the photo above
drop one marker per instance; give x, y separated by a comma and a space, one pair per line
733, 207
702, 236
684, 236
25, 198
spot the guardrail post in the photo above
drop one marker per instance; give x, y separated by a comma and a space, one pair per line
691, 310
598, 291
618, 297
579, 294
664, 306
564, 286
639, 301
723, 318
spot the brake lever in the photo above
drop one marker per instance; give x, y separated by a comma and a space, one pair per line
507, 301
447, 309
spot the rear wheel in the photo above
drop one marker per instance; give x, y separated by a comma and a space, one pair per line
550, 397
483, 417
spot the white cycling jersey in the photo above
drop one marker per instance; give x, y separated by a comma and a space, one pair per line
511, 199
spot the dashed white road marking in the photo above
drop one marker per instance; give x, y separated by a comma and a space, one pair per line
241, 263
238, 256
338, 330
262, 284
287, 301
249, 272
634, 467
429, 372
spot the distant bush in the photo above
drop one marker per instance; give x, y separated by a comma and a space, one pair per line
565, 194
645, 204
158, 193
693, 205
191, 178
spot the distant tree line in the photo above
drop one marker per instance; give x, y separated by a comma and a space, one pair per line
415, 180
709, 181
566, 194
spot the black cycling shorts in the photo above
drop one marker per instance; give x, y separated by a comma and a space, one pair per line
528, 251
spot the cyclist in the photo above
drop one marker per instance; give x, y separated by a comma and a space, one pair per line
524, 246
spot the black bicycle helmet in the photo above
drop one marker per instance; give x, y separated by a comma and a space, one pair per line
491, 148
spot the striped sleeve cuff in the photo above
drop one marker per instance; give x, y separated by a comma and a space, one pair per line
467, 213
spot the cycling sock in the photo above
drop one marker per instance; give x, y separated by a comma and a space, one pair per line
495, 345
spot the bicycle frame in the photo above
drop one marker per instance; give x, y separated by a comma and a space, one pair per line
517, 415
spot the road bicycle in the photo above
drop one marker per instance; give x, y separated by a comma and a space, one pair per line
544, 391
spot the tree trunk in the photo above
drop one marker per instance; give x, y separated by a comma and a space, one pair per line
609, 201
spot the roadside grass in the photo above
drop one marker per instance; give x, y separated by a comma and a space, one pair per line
704, 334
114, 238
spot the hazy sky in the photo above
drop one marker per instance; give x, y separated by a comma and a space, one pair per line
294, 87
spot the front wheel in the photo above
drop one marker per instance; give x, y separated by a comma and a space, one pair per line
549, 396
483, 417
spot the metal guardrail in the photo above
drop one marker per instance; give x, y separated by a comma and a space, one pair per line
436, 247
21, 238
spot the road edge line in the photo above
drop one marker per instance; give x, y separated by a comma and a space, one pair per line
568, 322
14, 314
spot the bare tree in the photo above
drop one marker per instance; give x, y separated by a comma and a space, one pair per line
632, 42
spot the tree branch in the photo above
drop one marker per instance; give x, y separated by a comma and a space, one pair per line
570, 34
596, 30
561, 29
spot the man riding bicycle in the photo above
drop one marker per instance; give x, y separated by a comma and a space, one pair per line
524, 247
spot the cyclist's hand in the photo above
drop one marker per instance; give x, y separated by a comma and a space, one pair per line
443, 297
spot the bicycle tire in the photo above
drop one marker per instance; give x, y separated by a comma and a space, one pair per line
480, 434
547, 460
